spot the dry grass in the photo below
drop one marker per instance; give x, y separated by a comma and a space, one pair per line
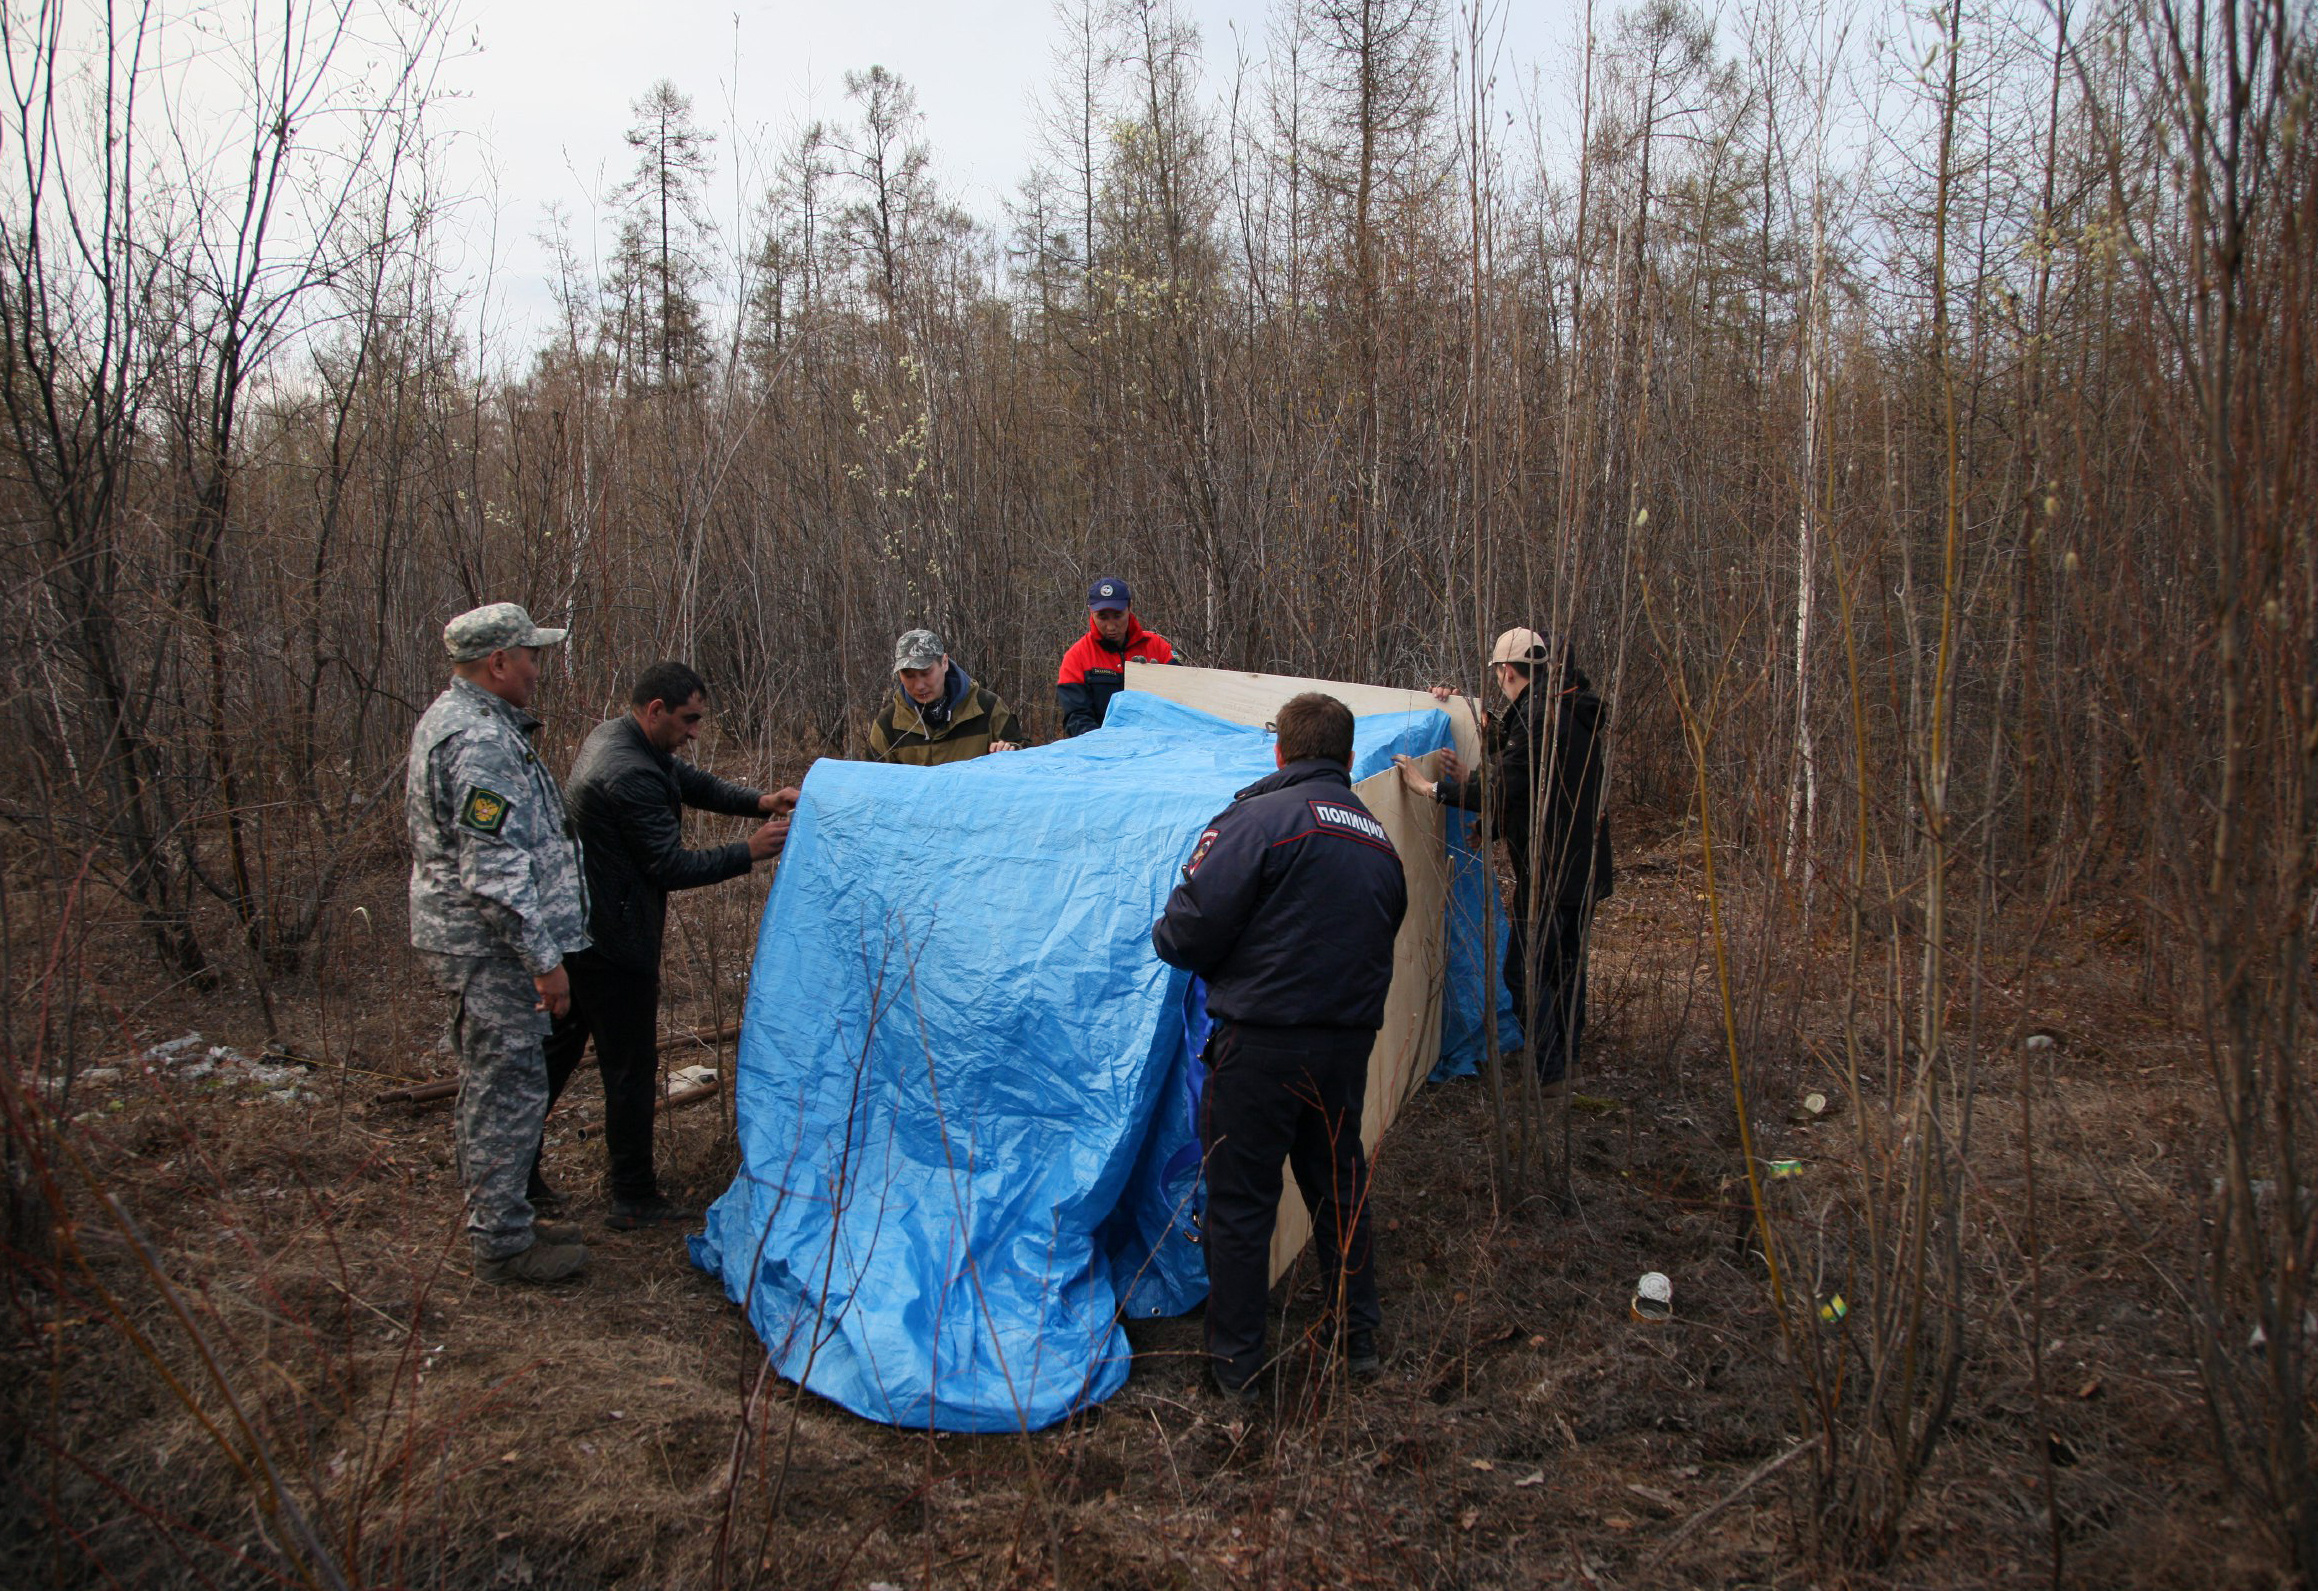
1528, 1431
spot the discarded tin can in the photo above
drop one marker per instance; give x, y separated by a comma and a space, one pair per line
1654, 1297
1834, 1309
1786, 1168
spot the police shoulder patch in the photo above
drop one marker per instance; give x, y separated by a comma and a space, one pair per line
484, 811
1199, 853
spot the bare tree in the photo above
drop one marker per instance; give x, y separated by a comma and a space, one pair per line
661, 242
78, 265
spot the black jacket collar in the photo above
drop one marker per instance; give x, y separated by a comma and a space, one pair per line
641, 744
1304, 770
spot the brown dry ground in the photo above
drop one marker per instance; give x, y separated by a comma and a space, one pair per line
1528, 1431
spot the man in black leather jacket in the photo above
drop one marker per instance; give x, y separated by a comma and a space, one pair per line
626, 797
1288, 908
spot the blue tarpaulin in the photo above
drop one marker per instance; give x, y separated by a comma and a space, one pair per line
966, 1085
1474, 910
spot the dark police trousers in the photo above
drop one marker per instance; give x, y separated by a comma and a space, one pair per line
621, 1012
1553, 1006
1275, 1094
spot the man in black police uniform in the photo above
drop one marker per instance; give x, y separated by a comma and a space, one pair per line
1288, 908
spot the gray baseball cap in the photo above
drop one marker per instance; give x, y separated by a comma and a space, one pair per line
918, 649
493, 628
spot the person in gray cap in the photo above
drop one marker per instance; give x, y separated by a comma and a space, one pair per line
935, 712
497, 901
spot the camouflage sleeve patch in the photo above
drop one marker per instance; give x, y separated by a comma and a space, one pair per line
484, 811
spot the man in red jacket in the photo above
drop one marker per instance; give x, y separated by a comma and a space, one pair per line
1095, 668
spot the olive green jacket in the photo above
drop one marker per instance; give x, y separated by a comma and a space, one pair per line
899, 733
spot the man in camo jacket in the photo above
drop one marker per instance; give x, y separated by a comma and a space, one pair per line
497, 900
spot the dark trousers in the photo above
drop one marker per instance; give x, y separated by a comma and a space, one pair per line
620, 1011
1549, 990
1273, 1095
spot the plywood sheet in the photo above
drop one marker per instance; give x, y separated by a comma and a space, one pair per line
1254, 698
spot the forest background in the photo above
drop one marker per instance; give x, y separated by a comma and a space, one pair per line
1906, 415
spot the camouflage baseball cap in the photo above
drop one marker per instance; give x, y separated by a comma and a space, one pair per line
918, 649
493, 628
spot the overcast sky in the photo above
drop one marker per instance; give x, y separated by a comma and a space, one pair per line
546, 91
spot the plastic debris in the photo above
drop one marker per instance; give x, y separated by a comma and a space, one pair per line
192, 1059
1785, 1168
1834, 1309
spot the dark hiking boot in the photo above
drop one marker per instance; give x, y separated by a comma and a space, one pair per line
542, 1262
637, 1215
1249, 1392
1360, 1356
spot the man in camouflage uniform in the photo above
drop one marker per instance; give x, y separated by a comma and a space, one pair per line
497, 900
